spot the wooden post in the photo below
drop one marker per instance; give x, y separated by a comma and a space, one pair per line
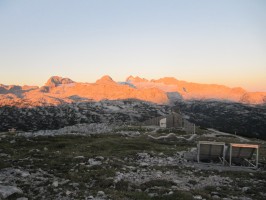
198, 156
257, 158
230, 158
224, 154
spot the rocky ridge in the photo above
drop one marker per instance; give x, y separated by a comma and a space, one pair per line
196, 91
58, 90
235, 118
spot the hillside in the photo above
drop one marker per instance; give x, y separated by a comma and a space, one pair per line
55, 117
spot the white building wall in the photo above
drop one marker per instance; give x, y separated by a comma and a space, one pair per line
163, 123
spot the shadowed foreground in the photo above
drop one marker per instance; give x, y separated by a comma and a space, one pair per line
128, 165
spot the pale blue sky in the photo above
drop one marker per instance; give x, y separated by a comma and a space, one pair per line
205, 41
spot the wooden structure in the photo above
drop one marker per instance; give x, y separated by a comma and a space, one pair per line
163, 123
211, 152
233, 154
173, 120
12, 130
244, 155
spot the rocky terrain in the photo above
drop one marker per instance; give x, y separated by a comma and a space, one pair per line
58, 90
96, 161
195, 91
55, 117
235, 118
75, 140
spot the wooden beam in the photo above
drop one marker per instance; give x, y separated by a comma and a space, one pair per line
245, 145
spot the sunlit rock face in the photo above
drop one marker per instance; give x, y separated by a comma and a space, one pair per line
106, 88
190, 90
254, 98
56, 80
58, 90
105, 80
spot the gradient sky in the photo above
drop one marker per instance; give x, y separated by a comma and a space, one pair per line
203, 41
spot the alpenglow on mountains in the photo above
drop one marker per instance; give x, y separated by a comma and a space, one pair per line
58, 90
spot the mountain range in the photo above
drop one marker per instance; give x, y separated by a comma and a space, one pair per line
59, 90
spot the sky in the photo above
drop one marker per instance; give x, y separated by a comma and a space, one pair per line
205, 41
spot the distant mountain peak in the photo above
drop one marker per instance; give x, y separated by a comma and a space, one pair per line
57, 80
136, 79
105, 80
164, 90
166, 80
129, 78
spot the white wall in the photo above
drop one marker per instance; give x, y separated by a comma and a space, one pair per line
163, 123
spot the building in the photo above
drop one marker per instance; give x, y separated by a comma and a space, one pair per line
163, 123
173, 120
12, 130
